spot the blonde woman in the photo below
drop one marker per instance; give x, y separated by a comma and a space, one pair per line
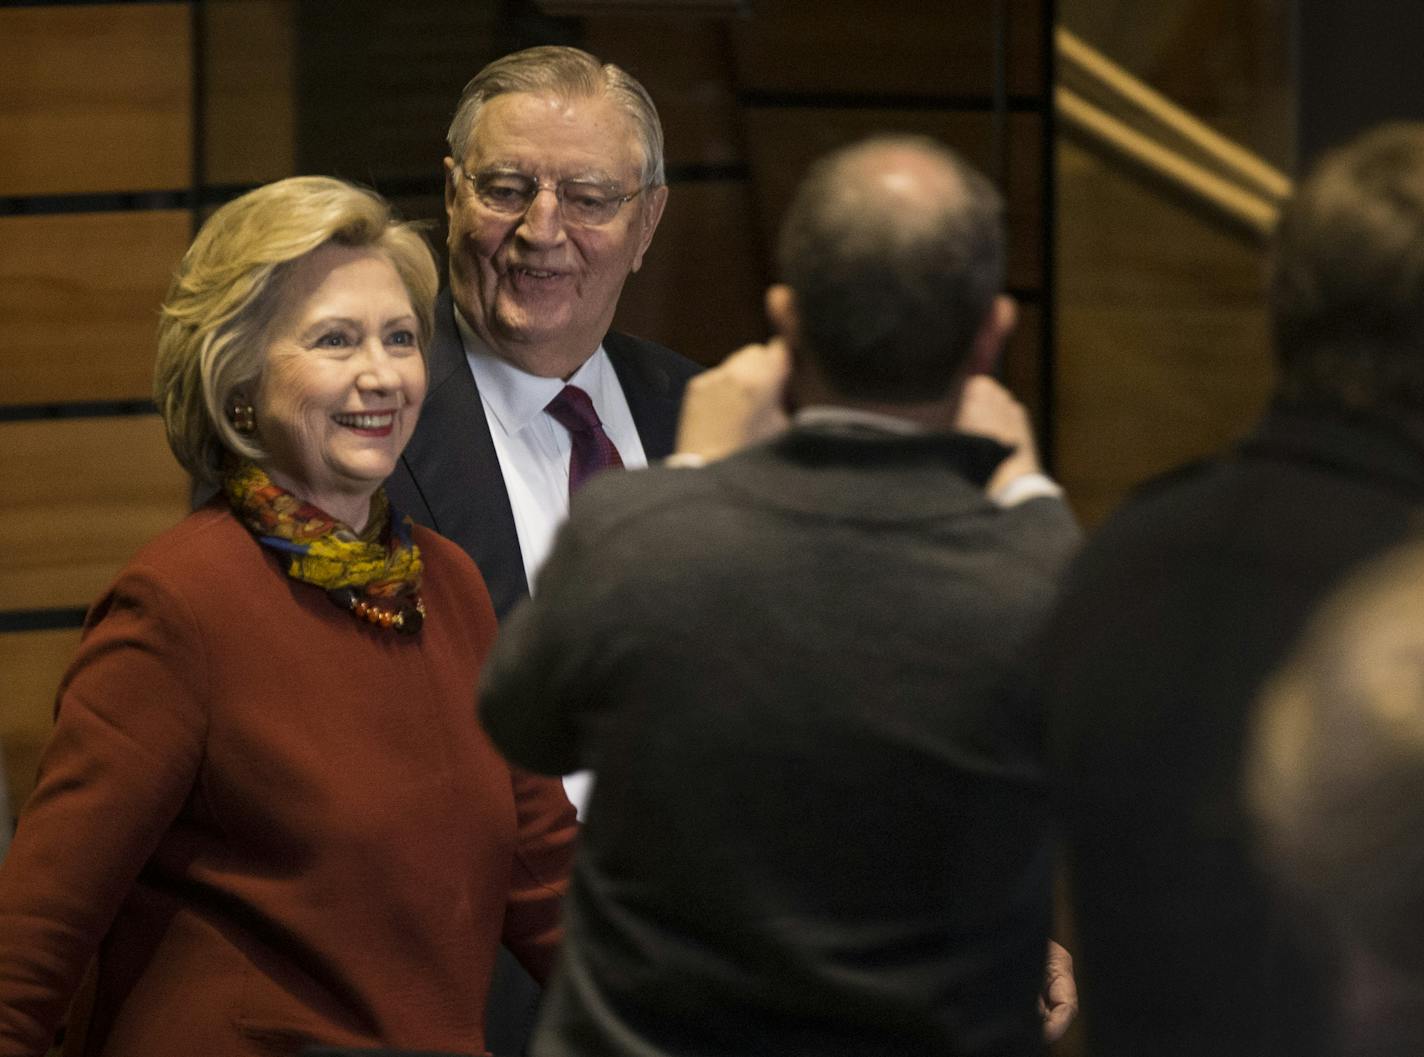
267, 806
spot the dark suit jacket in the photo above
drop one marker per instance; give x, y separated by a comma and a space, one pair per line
819, 825
449, 476
1175, 614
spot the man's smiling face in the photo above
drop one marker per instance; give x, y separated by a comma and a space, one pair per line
541, 291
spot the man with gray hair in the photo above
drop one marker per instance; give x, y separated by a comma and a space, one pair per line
820, 820
554, 187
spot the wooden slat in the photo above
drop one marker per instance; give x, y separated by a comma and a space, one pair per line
33, 662
1098, 80
1020, 369
1218, 197
656, 8
1230, 63
684, 66
874, 47
94, 98
782, 142
79, 294
700, 289
377, 83
1163, 353
249, 128
80, 496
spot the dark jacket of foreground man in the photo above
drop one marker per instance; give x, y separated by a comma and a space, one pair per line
819, 820
1174, 616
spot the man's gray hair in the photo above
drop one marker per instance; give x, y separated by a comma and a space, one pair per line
566, 72
1347, 278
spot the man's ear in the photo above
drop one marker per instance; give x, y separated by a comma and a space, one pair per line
782, 314
993, 334
652, 216
452, 184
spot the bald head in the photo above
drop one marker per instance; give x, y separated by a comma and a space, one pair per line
1336, 774
893, 248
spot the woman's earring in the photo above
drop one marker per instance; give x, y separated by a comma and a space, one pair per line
242, 416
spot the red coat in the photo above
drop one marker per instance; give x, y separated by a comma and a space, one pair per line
285, 826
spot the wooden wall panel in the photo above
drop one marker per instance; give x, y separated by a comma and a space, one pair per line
1230, 63
700, 289
33, 662
249, 123
94, 98
684, 66
81, 495
892, 47
1163, 353
1021, 368
783, 141
377, 83
79, 294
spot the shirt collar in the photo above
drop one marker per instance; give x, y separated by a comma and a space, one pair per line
831, 416
514, 397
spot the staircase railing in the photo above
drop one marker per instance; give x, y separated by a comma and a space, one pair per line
1109, 111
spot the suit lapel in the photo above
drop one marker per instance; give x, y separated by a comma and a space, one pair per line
454, 471
652, 393
452, 462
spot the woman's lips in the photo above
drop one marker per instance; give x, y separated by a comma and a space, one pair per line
371, 423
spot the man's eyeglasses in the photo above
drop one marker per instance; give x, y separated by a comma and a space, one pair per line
584, 204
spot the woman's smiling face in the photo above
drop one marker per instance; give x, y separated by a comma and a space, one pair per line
342, 381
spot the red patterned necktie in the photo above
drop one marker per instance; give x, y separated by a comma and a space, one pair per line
592, 450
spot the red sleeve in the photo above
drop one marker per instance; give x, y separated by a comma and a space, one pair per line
544, 850
130, 725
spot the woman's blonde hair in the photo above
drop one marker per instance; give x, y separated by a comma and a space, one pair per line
228, 288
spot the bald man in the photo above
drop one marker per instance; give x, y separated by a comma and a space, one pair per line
820, 820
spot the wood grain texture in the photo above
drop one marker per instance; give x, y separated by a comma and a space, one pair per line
1163, 354
33, 662
1231, 63
80, 294
684, 65
377, 83
700, 289
871, 47
1021, 366
94, 98
81, 496
249, 124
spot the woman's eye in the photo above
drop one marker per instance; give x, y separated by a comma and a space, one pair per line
401, 337
332, 340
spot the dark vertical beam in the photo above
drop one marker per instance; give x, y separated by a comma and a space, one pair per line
198, 43
999, 129
1358, 65
1048, 338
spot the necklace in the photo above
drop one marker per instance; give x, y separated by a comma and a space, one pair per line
407, 618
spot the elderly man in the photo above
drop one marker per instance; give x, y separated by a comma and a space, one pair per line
1192, 593
820, 820
553, 189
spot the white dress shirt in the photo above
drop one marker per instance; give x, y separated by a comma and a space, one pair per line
532, 448
533, 451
